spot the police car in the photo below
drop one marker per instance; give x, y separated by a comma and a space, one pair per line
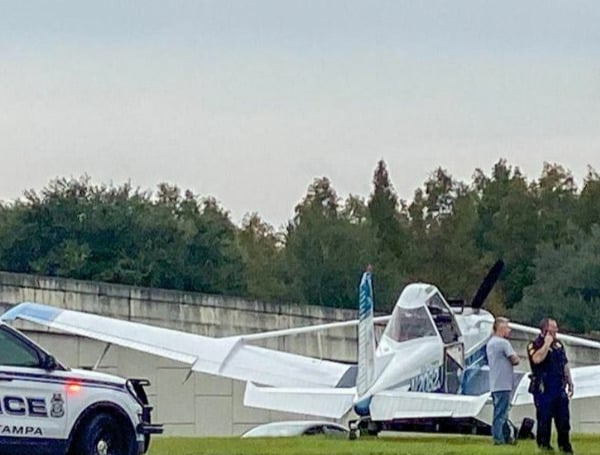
46, 408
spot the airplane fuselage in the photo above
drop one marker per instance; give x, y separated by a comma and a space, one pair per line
421, 351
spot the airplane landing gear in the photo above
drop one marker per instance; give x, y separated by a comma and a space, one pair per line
363, 427
354, 431
373, 428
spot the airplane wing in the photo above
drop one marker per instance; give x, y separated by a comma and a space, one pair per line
230, 357
390, 405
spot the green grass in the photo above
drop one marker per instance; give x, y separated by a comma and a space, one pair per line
451, 445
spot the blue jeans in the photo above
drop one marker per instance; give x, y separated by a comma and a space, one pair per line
501, 433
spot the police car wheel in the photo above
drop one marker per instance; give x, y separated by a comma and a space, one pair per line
102, 435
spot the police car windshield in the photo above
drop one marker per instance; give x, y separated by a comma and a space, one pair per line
409, 323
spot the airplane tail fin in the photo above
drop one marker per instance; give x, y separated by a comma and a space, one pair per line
366, 335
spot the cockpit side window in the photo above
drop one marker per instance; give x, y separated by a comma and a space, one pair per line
408, 324
443, 318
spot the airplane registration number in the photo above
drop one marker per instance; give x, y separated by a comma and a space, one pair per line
429, 380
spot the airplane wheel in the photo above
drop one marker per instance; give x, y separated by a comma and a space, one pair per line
373, 428
354, 432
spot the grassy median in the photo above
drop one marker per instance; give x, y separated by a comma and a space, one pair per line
452, 445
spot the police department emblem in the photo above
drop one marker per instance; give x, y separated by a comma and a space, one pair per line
57, 405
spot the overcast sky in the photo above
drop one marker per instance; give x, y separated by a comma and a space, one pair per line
248, 101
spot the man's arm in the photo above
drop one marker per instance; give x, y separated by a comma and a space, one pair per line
510, 353
540, 355
569, 380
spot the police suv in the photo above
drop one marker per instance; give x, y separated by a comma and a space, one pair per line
46, 408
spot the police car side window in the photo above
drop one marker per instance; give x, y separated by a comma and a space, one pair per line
14, 352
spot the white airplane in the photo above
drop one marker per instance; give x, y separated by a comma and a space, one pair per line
429, 363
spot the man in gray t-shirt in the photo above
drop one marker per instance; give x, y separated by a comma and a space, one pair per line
501, 359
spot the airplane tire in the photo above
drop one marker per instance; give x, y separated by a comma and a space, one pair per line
373, 428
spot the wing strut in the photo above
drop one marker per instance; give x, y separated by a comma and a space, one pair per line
102, 355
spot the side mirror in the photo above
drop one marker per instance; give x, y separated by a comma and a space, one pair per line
49, 363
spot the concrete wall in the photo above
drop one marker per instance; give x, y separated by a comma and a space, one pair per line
205, 404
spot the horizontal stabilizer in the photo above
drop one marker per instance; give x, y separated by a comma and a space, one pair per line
416, 405
326, 402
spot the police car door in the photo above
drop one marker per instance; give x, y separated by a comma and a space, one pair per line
31, 400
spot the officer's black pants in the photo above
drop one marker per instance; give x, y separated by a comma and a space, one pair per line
553, 406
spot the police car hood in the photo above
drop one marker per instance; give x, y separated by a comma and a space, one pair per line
97, 376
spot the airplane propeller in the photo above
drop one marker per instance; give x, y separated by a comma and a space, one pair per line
487, 284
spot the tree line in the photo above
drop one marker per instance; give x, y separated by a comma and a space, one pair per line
546, 230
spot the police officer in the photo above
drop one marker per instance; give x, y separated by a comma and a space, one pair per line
551, 386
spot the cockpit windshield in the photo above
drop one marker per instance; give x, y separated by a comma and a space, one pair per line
409, 323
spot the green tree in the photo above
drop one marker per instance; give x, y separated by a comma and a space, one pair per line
213, 258
444, 216
14, 249
123, 235
262, 251
383, 208
447, 235
566, 285
587, 211
355, 210
508, 226
557, 202
324, 250
393, 246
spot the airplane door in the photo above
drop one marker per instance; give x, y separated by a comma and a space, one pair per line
454, 365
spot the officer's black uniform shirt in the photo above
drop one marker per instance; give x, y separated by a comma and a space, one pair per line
551, 370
